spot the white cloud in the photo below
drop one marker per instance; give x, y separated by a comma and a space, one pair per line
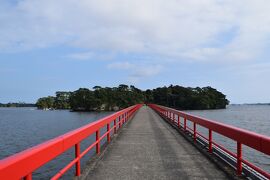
136, 72
147, 71
81, 56
90, 56
121, 66
192, 30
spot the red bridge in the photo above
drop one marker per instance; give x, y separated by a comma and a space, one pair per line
146, 143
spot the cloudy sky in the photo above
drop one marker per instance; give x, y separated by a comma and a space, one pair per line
48, 45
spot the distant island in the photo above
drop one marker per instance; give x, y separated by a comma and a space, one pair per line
114, 98
19, 104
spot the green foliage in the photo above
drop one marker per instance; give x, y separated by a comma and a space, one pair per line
106, 98
45, 102
62, 100
188, 98
83, 100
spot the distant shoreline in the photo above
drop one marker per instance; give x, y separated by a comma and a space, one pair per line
259, 104
12, 105
30, 105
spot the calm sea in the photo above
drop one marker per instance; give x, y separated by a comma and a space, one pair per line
255, 118
21, 128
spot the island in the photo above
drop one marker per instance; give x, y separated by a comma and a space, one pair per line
114, 98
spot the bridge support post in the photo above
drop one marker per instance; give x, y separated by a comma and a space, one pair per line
210, 148
109, 133
120, 121
98, 143
194, 132
239, 159
78, 163
178, 121
114, 125
185, 124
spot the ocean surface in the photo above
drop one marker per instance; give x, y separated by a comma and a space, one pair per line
21, 128
254, 118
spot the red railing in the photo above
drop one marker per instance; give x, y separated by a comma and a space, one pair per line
253, 140
23, 164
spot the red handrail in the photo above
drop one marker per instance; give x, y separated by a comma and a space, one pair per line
22, 164
253, 140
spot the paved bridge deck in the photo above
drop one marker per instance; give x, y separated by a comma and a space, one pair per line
148, 148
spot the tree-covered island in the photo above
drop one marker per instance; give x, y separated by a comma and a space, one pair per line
114, 98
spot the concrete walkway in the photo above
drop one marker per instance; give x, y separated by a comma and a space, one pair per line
148, 148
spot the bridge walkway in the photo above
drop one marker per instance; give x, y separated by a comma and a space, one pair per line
148, 148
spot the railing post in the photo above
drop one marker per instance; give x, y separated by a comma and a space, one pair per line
239, 158
28, 177
185, 124
114, 124
98, 143
78, 163
109, 133
119, 121
194, 132
178, 121
210, 148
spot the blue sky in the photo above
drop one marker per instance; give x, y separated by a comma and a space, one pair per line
48, 45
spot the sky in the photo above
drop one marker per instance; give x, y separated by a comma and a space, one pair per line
48, 45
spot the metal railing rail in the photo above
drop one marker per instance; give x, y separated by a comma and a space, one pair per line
23, 164
253, 140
